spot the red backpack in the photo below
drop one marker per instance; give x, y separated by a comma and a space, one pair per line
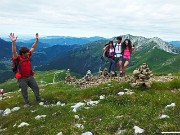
18, 69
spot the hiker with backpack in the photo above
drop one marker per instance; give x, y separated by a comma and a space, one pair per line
118, 53
127, 49
23, 69
109, 51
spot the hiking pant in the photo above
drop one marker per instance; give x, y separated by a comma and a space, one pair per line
31, 82
112, 65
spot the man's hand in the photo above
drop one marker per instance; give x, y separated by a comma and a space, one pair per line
35, 43
12, 37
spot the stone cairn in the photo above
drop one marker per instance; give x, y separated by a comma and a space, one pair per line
141, 77
104, 74
87, 80
69, 79
88, 77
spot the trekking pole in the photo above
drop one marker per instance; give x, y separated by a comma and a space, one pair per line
2, 92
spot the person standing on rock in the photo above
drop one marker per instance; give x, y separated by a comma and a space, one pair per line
23, 70
109, 51
118, 53
127, 49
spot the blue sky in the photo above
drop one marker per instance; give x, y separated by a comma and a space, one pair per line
85, 18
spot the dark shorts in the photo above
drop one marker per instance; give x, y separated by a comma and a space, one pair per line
117, 59
125, 59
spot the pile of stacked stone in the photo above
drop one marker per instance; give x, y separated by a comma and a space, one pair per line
141, 77
88, 77
69, 79
104, 74
86, 80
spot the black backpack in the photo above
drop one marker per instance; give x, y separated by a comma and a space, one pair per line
106, 54
15, 65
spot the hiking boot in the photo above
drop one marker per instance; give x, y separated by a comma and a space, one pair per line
40, 100
115, 74
112, 72
121, 74
27, 104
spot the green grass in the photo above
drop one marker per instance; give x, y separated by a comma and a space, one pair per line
142, 109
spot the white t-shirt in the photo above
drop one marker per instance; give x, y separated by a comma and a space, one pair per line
117, 50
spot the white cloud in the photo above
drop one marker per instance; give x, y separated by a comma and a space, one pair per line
160, 18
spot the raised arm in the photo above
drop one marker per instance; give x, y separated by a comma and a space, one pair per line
13, 39
35, 43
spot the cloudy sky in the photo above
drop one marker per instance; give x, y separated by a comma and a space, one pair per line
84, 18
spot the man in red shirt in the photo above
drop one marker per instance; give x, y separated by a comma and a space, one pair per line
24, 72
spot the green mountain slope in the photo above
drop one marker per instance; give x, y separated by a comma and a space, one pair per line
79, 60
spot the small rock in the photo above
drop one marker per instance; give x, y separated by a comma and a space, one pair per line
6, 112
41, 103
77, 106
171, 105
163, 116
87, 133
138, 130
76, 116
79, 126
40, 117
15, 109
102, 97
93, 103
60, 133
23, 124
121, 93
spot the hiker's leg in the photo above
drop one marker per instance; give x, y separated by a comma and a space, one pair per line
125, 65
33, 85
120, 66
23, 85
110, 63
116, 63
113, 65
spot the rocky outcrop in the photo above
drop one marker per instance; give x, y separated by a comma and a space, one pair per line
142, 42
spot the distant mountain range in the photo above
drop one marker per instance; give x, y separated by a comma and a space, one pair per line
58, 40
175, 43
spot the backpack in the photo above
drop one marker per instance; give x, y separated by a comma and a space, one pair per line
106, 52
16, 65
